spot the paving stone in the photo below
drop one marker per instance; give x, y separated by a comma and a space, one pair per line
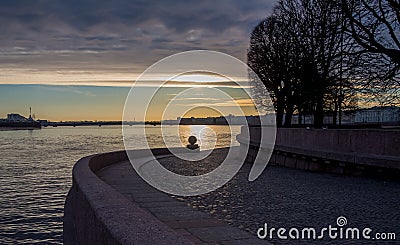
173, 209
171, 203
219, 233
151, 199
153, 194
176, 216
252, 241
208, 222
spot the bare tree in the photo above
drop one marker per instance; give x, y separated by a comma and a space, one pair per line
315, 56
272, 57
298, 53
375, 26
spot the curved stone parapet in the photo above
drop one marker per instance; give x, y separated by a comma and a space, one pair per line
95, 213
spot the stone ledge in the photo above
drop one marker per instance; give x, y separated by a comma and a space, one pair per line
97, 214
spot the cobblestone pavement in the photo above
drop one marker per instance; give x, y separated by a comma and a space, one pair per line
280, 197
196, 226
283, 197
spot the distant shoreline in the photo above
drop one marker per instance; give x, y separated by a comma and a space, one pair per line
17, 128
19, 125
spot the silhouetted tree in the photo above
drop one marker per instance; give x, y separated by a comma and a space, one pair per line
273, 58
326, 55
375, 26
298, 53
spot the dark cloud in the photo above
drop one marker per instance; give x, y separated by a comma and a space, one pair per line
140, 31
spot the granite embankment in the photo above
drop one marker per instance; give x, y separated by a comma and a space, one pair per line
95, 213
368, 152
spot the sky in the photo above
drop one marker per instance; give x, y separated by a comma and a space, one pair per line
75, 60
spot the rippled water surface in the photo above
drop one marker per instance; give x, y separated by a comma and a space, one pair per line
36, 165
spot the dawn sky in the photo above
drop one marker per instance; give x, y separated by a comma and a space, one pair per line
80, 57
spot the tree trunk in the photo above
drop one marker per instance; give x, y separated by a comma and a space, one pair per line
335, 113
279, 115
288, 117
319, 112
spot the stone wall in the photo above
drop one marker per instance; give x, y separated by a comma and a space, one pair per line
343, 151
360, 141
95, 213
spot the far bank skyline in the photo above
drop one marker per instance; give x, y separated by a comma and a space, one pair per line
96, 103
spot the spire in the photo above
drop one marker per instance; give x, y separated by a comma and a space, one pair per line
30, 114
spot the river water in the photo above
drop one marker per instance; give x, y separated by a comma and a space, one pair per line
36, 165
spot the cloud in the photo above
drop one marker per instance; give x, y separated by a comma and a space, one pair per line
67, 89
233, 103
89, 34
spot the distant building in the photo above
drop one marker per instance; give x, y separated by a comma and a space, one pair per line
43, 122
378, 114
13, 117
204, 121
388, 115
236, 120
170, 122
268, 119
